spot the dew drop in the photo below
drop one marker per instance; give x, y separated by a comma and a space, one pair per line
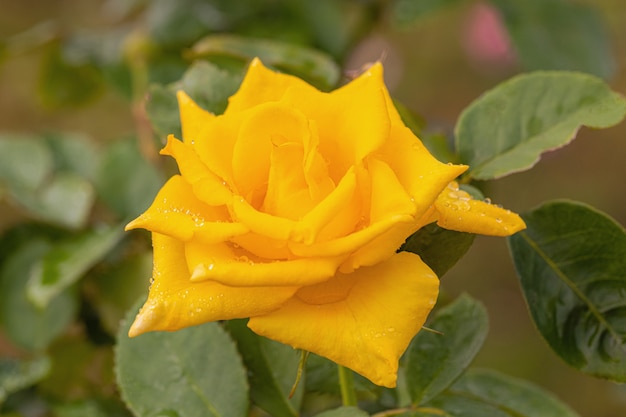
498, 219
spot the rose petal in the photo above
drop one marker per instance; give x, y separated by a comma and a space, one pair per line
351, 123
193, 118
174, 302
262, 85
364, 320
237, 268
266, 126
420, 173
207, 186
456, 210
176, 212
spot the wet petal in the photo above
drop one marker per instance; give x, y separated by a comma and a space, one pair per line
238, 268
176, 212
207, 186
420, 173
174, 302
456, 210
364, 320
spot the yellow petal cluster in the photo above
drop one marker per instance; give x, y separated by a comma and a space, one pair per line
289, 209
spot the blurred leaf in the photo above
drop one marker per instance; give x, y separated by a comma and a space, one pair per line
68, 261
321, 376
45, 177
117, 288
19, 374
405, 13
90, 408
80, 370
271, 369
26, 325
75, 153
173, 24
195, 371
439, 248
517, 397
434, 361
439, 145
308, 64
571, 261
66, 200
25, 162
127, 183
205, 83
63, 83
344, 412
507, 129
558, 35
452, 405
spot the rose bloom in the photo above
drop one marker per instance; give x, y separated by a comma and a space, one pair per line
289, 210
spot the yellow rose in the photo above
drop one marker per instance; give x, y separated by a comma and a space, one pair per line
289, 209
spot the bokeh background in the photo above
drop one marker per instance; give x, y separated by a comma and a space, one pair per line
436, 67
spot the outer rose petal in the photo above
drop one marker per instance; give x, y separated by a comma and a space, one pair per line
193, 118
363, 320
176, 212
456, 210
262, 85
174, 302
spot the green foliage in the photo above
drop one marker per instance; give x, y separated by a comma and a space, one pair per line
506, 129
559, 35
67, 261
517, 397
191, 372
343, 412
435, 360
127, 182
271, 370
26, 325
439, 248
572, 267
311, 65
405, 13
19, 374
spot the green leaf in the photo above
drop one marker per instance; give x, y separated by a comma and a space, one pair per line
25, 162
558, 35
344, 412
191, 372
439, 248
515, 396
127, 182
75, 153
64, 83
507, 129
26, 325
65, 200
19, 374
571, 262
68, 261
117, 288
405, 13
272, 368
205, 83
460, 406
90, 408
434, 361
309, 64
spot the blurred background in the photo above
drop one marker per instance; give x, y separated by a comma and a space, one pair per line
438, 56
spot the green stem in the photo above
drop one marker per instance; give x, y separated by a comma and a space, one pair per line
346, 384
